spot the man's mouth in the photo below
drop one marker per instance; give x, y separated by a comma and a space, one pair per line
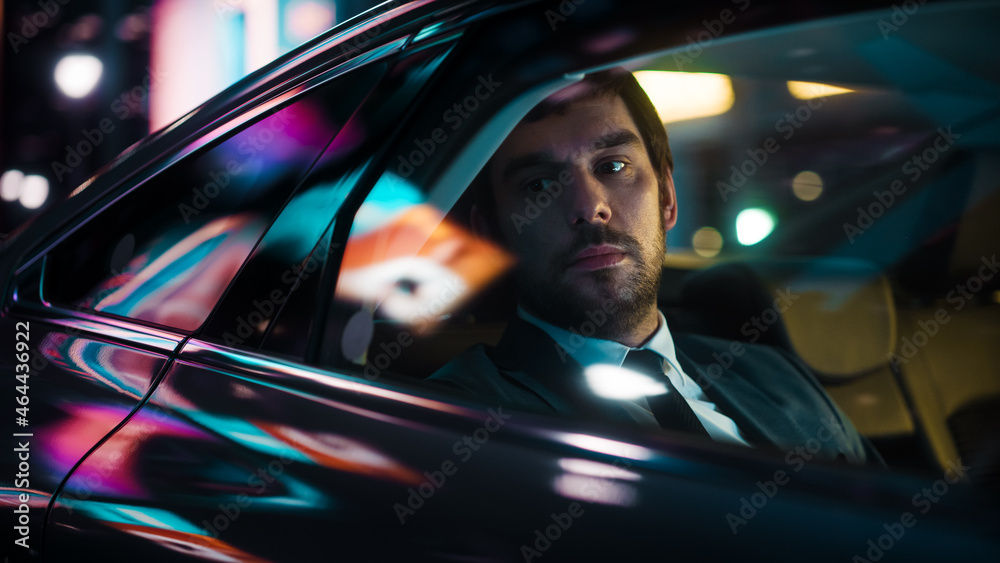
597, 257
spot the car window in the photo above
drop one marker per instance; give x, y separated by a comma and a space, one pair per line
274, 302
167, 250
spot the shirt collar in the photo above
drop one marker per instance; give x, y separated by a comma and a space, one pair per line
589, 350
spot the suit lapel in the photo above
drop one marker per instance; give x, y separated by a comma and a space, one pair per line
531, 358
761, 421
523, 341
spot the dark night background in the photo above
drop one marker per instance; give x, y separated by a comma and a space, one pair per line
44, 132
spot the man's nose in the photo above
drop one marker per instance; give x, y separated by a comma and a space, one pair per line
589, 203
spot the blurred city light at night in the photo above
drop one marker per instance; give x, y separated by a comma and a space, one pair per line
753, 225
77, 75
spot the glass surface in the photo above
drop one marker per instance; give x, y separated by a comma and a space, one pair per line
167, 251
344, 168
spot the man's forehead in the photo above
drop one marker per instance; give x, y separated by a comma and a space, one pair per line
583, 126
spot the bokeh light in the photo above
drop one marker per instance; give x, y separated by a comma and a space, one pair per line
687, 95
77, 75
810, 90
807, 185
34, 191
308, 19
753, 225
10, 185
707, 242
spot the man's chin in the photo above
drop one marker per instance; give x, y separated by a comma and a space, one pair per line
570, 303
597, 285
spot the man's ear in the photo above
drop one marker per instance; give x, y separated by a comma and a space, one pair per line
669, 202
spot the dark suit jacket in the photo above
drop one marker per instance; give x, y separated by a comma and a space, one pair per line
770, 395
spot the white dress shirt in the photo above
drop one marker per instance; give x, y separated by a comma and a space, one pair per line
591, 352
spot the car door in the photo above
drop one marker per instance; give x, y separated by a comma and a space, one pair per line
158, 483
108, 301
112, 295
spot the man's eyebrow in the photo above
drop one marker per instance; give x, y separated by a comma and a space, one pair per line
616, 139
610, 140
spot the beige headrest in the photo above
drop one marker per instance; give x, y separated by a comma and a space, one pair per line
840, 314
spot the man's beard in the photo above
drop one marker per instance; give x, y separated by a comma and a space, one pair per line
562, 305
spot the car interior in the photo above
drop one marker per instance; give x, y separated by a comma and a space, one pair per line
898, 318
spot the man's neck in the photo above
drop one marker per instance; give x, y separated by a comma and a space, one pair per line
643, 330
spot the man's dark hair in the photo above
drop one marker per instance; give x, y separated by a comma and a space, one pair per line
605, 84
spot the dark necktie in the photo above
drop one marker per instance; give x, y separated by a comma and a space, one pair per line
670, 409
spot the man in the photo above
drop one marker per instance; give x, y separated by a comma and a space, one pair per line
588, 339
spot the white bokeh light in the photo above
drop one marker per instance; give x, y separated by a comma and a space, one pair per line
10, 185
613, 382
34, 191
77, 75
753, 225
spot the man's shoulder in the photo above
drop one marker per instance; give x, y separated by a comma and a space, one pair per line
468, 371
768, 360
475, 374
773, 371
784, 379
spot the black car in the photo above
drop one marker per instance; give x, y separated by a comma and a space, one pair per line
218, 343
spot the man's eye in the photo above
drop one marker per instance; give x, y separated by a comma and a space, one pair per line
538, 185
612, 167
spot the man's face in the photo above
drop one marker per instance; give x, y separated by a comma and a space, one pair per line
598, 232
